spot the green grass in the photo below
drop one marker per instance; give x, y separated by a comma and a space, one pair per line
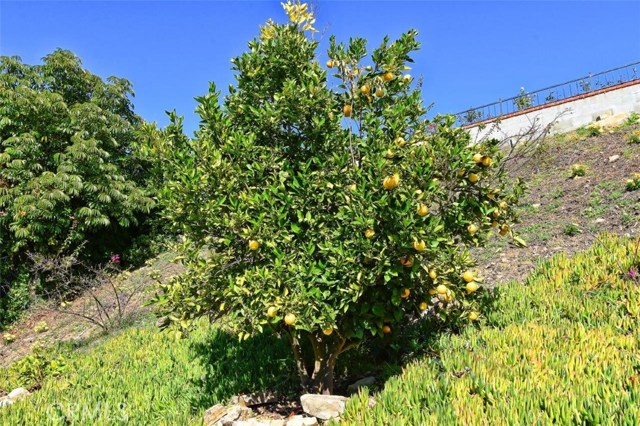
562, 348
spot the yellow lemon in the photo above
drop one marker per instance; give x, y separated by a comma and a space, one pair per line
422, 210
391, 182
254, 245
405, 293
365, 89
347, 110
290, 319
369, 233
471, 287
473, 178
468, 276
473, 315
477, 158
472, 229
419, 245
442, 289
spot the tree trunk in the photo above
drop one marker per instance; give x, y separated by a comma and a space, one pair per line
318, 376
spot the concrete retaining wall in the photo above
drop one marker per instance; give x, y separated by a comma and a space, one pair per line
608, 106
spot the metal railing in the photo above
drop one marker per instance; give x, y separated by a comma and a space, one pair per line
569, 89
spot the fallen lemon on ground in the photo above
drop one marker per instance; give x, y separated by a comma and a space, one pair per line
254, 245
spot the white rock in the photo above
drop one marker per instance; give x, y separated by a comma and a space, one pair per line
367, 381
5, 401
219, 415
256, 422
600, 220
18, 393
235, 413
324, 407
256, 399
302, 421
614, 158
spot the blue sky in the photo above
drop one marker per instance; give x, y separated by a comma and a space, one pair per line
472, 52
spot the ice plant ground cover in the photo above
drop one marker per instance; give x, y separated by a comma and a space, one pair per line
561, 347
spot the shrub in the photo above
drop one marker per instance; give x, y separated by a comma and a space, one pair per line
634, 182
41, 327
326, 208
8, 338
578, 170
67, 169
633, 137
632, 119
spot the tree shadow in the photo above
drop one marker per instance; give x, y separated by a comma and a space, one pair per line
230, 367
386, 357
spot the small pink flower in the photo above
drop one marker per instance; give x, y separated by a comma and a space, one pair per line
632, 273
115, 258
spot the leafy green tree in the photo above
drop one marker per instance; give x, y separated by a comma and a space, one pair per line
326, 207
67, 173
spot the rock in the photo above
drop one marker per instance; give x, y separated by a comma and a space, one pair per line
259, 422
256, 399
324, 407
214, 414
163, 322
5, 401
18, 393
302, 421
236, 412
599, 220
536, 205
367, 381
220, 415
614, 158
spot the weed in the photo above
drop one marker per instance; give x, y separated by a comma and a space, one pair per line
633, 137
572, 229
577, 170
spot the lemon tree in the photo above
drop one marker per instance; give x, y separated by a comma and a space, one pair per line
316, 199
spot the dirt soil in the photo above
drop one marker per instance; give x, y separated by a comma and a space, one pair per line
564, 214
64, 327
